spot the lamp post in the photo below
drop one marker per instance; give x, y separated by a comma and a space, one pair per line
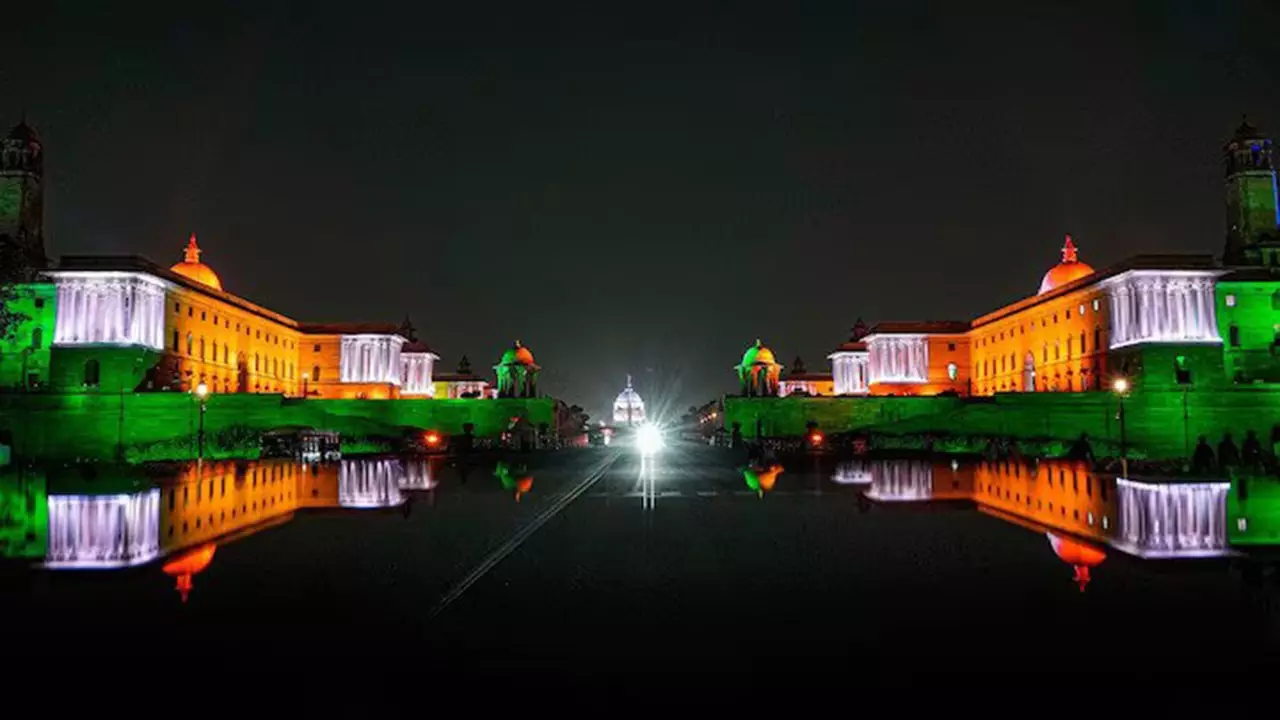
202, 392
1121, 386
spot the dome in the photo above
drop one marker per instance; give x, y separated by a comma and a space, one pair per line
758, 353
24, 132
517, 355
1070, 269
192, 268
628, 408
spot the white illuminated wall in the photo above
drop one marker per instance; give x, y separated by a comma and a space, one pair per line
417, 475
1166, 306
371, 359
103, 531
370, 483
415, 373
897, 359
113, 308
849, 372
1172, 519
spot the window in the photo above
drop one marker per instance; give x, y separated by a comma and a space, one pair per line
91, 373
257, 335
215, 319
1083, 349
1057, 351
1045, 353
175, 341
201, 348
237, 327
315, 373
39, 303
191, 312
1081, 308
1066, 314
1055, 319
203, 316
177, 307
951, 347
1097, 339
256, 363
1233, 335
1097, 304
315, 348
1231, 301
37, 338
190, 343
952, 370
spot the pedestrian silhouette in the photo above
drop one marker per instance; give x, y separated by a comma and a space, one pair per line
1202, 460
1228, 453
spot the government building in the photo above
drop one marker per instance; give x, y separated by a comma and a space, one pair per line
1157, 321
123, 324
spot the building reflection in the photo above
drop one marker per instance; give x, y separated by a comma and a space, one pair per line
1080, 555
919, 480
517, 481
370, 483
103, 531
853, 472
761, 478
187, 565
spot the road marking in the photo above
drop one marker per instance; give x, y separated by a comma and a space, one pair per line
508, 547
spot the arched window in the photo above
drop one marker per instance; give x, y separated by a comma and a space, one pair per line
1182, 370
1097, 339
91, 373
201, 348
257, 363
190, 343
315, 373
952, 370
1083, 349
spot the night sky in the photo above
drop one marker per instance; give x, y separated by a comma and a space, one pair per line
638, 192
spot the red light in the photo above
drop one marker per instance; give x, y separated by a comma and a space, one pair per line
432, 438
816, 438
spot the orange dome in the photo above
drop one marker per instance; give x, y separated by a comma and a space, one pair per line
1066, 271
758, 353
191, 266
517, 355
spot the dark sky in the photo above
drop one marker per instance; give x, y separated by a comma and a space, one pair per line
642, 191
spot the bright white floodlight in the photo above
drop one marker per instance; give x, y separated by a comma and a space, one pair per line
649, 439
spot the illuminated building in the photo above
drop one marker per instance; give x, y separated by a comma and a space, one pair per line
1159, 321
849, 363
417, 364
758, 373
628, 408
463, 383
800, 381
517, 373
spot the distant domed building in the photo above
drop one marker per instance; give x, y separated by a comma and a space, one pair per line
517, 373
628, 409
1069, 270
759, 372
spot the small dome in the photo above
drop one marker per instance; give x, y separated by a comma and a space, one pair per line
758, 353
24, 132
1070, 269
192, 268
517, 355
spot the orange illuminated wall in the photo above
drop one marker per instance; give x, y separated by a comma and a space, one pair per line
213, 499
1043, 344
948, 355
1064, 495
229, 348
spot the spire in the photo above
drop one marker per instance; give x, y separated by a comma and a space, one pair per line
628, 381
407, 329
1069, 254
192, 254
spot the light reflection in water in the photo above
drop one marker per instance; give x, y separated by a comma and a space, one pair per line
761, 477
517, 481
370, 483
103, 531
853, 472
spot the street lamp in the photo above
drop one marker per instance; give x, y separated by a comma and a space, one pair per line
202, 392
1121, 386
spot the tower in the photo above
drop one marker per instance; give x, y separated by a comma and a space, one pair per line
22, 194
1250, 199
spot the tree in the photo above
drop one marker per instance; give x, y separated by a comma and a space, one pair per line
15, 269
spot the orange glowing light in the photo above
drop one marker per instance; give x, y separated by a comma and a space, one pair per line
432, 439
816, 438
523, 485
188, 564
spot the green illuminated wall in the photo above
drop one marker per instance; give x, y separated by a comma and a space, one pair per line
781, 417
24, 514
162, 425
20, 356
1256, 317
1251, 205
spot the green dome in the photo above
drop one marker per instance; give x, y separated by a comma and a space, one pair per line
518, 355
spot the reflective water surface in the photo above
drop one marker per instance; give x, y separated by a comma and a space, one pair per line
602, 553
